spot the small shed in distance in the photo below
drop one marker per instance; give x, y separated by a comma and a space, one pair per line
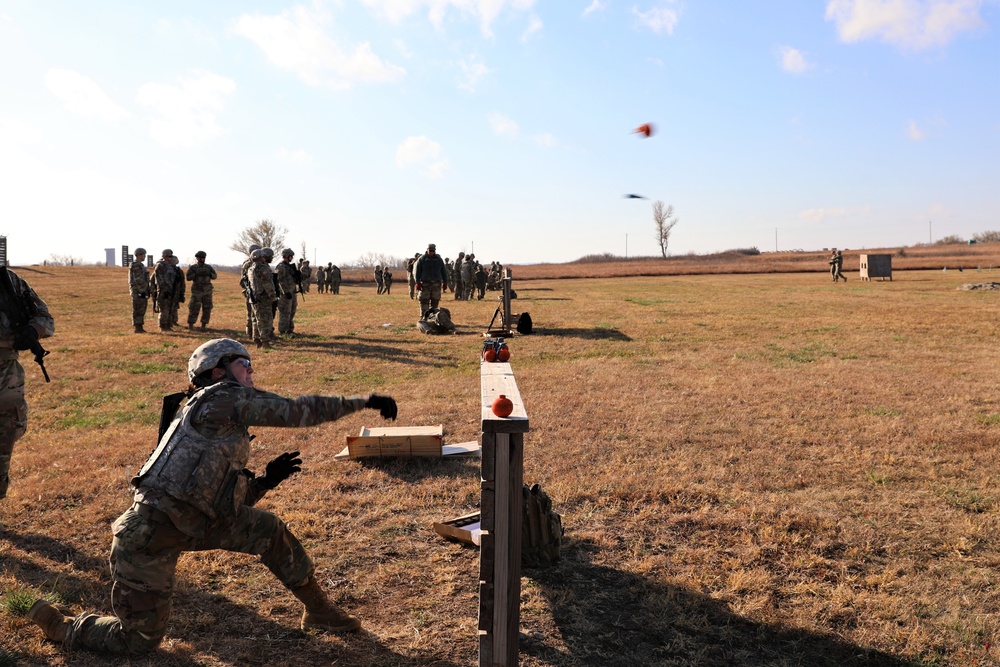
876, 266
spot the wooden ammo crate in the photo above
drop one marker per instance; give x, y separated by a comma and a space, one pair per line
400, 441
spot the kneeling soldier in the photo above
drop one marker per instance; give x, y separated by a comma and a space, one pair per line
194, 493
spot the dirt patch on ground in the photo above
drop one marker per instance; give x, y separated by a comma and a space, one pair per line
979, 286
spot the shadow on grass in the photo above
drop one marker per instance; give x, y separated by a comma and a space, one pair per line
614, 618
415, 469
202, 623
593, 333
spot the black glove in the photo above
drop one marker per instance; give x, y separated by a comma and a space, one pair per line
143, 295
385, 405
25, 337
288, 295
279, 469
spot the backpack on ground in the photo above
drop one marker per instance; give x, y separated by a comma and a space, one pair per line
524, 324
541, 528
436, 321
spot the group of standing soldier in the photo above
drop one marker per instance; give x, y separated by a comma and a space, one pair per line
166, 287
268, 292
328, 279
837, 265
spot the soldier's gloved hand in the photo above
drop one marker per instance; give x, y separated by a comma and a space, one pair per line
288, 295
143, 295
279, 469
385, 405
444, 287
419, 286
25, 337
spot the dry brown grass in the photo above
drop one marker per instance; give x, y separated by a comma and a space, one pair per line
752, 470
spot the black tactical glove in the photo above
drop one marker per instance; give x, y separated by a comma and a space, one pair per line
288, 295
143, 295
25, 337
385, 405
279, 469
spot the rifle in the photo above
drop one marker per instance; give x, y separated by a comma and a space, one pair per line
154, 292
247, 290
297, 274
24, 309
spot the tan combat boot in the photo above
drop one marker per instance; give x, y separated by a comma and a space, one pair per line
320, 613
50, 619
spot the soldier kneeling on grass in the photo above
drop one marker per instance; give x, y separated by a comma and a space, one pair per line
194, 493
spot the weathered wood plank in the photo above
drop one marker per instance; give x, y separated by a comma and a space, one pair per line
486, 606
489, 457
487, 549
487, 507
497, 379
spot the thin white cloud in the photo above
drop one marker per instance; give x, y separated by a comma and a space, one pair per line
545, 139
913, 131
14, 132
473, 71
403, 49
821, 215
297, 41
534, 27
595, 6
184, 114
794, 61
485, 11
422, 152
82, 96
658, 19
298, 155
907, 24
504, 126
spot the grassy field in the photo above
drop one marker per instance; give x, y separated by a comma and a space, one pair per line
752, 470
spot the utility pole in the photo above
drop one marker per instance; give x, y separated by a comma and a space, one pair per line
626, 246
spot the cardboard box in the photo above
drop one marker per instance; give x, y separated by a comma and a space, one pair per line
405, 442
467, 529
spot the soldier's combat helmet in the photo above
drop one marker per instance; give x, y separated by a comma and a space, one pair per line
200, 254
268, 253
167, 253
287, 252
208, 355
253, 246
140, 251
257, 254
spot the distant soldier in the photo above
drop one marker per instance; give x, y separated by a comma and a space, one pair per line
333, 277
386, 280
410, 280
24, 318
320, 278
245, 270
265, 295
201, 276
180, 287
288, 281
456, 276
431, 279
379, 285
839, 265
163, 289
480, 277
138, 287
468, 276
306, 270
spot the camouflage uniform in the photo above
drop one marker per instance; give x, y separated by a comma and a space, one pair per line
320, 278
245, 269
379, 285
306, 272
468, 275
13, 407
410, 280
201, 276
287, 297
263, 308
138, 287
180, 286
386, 281
456, 276
207, 442
480, 281
431, 276
163, 286
333, 278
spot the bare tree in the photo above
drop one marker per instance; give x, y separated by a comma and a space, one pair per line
987, 237
371, 259
265, 233
664, 220
303, 255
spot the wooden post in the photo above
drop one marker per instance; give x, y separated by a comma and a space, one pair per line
501, 511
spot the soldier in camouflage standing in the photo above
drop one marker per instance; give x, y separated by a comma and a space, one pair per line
194, 493
24, 318
288, 280
201, 276
468, 276
386, 280
410, 280
480, 279
138, 287
379, 285
180, 286
245, 270
456, 276
333, 278
163, 289
320, 278
431, 278
265, 296
307, 273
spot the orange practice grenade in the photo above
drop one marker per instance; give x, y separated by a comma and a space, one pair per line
503, 354
502, 406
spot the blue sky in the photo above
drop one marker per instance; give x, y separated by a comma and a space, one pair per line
503, 126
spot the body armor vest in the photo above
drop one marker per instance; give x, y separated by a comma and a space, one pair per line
206, 473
